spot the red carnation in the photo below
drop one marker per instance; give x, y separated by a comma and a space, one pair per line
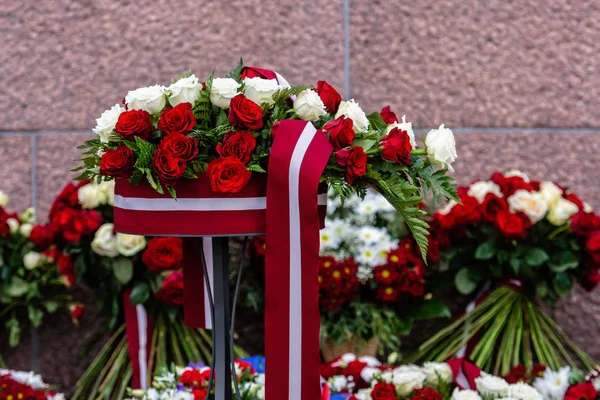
118, 162
426, 394
168, 167
245, 114
355, 161
388, 116
171, 291
513, 225
491, 205
592, 245
396, 146
178, 119
181, 146
163, 253
581, 391
384, 391
330, 97
517, 374
538, 370
227, 175
237, 144
134, 123
340, 132
584, 223
386, 274
42, 236
192, 378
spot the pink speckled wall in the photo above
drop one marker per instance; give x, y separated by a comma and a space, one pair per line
517, 80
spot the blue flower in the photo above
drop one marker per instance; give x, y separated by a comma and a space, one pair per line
258, 363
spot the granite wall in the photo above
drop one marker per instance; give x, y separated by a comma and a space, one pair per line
518, 81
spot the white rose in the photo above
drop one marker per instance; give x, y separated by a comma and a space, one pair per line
480, 189
404, 126
185, 90
13, 225
25, 229
458, 394
107, 121
489, 385
108, 188
351, 109
550, 192
128, 245
441, 147
407, 381
523, 391
347, 358
516, 172
338, 383
91, 196
28, 215
531, 203
260, 90
368, 373
151, 99
104, 243
222, 91
3, 199
309, 106
371, 361
436, 372
561, 211
33, 260
364, 394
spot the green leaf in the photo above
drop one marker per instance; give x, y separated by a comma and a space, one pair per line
256, 168
563, 261
433, 308
51, 306
562, 283
16, 287
145, 154
464, 283
35, 315
172, 192
14, 332
123, 270
237, 72
376, 122
222, 118
140, 293
366, 144
486, 250
515, 263
535, 257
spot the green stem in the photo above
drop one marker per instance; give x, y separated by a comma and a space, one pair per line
419, 152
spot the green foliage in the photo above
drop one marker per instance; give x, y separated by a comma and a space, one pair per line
123, 270
140, 293
237, 71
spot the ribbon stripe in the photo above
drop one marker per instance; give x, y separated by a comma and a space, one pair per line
139, 328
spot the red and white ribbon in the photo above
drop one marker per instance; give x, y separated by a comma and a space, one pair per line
464, 373
298, 157
197, 314
139, 328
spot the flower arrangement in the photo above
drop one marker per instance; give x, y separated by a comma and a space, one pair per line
223, 129
371, 276
20, 385
529, 241
31, 282
80, 231
363, 378
191, 382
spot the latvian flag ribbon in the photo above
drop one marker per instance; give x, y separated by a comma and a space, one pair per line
289, 208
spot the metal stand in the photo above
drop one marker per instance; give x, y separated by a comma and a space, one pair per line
222, 341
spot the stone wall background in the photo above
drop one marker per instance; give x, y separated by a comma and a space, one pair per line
517, 80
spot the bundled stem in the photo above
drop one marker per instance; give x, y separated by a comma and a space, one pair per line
511, 330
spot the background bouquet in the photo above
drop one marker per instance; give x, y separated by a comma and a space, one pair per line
31, 282
528, 241
20, 385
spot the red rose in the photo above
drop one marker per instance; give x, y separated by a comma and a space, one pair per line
227, 175
388, 116
42, 236
592, 245
237, 144
134, 123
73, 224
509, 185
426, 394
200, 394
67, 198
66, 266
171, 291
591, 280
383, 391
466, 213
178, 119
491, 205
340, 132
329, 371
118, 162
77, 312
330, 97
584, 223
581, 391
573, 198
396, 147
168, 167
181, 146
355, 161
513, 225
245, 114
163, 253
353, 369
